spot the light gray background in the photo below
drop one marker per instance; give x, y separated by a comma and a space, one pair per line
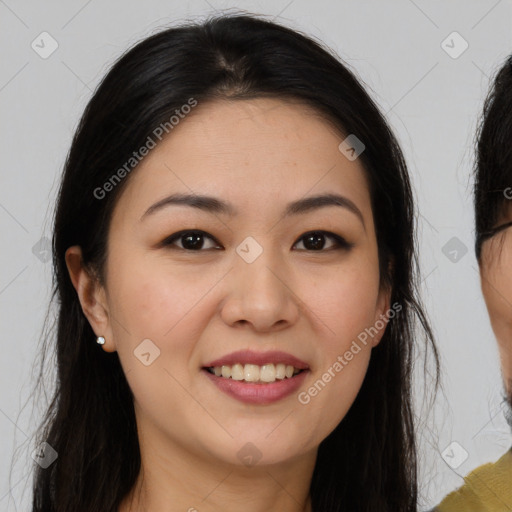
431, 99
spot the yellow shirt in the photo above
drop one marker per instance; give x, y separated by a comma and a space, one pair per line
488, 488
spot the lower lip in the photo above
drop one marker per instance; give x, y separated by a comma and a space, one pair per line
258, 393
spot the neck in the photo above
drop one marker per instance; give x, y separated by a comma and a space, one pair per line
177, 479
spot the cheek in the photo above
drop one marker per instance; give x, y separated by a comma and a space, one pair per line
503, 333
155, 296
501, 322
347, 322
159, 315
496, 277
164, 305
497, 290
346, 301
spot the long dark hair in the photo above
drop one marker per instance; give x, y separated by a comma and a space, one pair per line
368, 463
493, 162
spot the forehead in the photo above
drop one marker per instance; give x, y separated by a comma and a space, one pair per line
254, 153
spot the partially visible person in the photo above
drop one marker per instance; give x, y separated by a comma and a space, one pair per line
489, 487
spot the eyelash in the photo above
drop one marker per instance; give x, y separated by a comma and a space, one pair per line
341, 243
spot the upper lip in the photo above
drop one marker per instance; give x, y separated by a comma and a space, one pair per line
258, 358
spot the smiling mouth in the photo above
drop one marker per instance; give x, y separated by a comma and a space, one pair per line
253, 373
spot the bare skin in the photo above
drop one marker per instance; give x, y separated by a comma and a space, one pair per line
199, 305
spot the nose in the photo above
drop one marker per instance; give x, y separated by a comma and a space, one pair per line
260, 295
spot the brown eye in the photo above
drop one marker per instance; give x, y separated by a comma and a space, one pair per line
191, 240
315, 241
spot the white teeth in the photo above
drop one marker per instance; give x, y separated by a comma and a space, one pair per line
280, 371
254, 373
251, 373
268, 373
237, 372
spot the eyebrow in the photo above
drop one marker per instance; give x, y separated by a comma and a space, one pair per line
214, 205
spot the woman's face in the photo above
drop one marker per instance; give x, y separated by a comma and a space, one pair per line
496, 280
250, 282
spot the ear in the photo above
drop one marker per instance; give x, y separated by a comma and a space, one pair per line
383, 309
92, 296
381, 314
